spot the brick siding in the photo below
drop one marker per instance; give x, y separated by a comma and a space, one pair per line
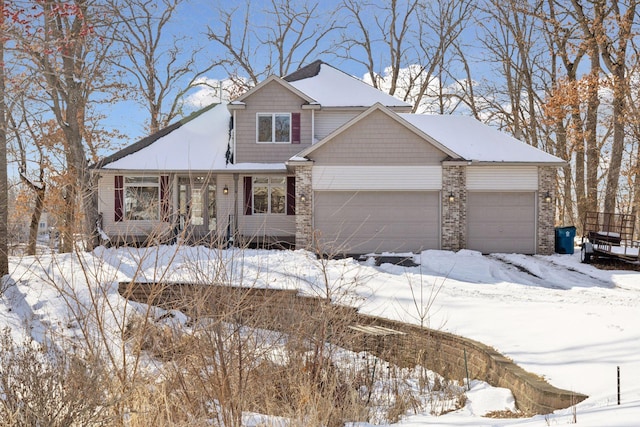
454, 214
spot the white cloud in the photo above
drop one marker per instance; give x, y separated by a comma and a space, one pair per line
210, 90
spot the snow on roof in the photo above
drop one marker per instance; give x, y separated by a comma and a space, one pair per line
475, 141
331, 87
199, 144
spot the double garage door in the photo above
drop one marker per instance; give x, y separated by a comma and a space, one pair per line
357, 222
501, 222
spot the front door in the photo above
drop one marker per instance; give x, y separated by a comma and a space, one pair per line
197, 206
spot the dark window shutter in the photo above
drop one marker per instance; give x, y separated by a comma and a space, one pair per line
295, 128
118, 186
248, 190
291, 195
164, 197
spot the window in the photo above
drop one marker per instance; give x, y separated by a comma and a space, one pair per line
274, 128
142, 198
269, 195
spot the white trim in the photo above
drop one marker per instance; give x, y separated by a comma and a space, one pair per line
273, 128
269, 185
235, 141
502, 178
125, 185
399, 178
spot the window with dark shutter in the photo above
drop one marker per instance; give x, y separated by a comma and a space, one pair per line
119, 197
295, 128
291, 195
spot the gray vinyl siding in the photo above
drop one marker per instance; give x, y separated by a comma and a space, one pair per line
501, 222
362, 222
259, 226
272, 98
377, 140
328, 121
509, 178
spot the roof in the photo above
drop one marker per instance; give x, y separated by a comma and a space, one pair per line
474, 141
200, 141
197, 143
148, 140
462, 138
331, 87
377, 107
239, 101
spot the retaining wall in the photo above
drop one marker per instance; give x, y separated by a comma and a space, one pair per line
439, 351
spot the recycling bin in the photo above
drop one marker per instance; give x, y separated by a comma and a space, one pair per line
564, 242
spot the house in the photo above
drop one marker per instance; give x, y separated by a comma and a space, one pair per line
319, 158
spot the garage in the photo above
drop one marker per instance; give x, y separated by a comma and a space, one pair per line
501, 222
357, 222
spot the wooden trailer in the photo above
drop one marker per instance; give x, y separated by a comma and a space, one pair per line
609, 235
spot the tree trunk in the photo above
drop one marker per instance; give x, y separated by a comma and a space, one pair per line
617, 147
35, 219
4, 198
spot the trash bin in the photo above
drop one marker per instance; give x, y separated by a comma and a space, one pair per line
565, 239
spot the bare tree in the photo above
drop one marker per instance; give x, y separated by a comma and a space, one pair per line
274, 40
4, 197
611, 29
158, 62
404, 47
66, 45
36, 183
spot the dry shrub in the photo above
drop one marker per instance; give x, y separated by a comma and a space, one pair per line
46, 386
505, 414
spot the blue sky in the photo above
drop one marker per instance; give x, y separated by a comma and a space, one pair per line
192, 20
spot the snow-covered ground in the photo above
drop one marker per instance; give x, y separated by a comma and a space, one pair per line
568, 322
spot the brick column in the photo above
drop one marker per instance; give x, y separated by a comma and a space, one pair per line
454, 213
546, 210
304, 210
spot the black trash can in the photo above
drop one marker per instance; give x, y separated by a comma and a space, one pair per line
565, 239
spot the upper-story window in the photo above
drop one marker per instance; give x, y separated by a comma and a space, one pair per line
274, 127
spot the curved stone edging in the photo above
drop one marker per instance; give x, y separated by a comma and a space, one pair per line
444, 353
438, 351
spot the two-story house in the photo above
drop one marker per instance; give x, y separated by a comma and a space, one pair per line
320, 158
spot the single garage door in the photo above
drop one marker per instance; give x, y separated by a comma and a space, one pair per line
501, 222
357, 222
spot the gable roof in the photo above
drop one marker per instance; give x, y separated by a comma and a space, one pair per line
391, 114
148, 140
462, 138
475, 141
272, 78
331, 87
198, 142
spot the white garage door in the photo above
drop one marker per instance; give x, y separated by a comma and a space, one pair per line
361, 222
501, 222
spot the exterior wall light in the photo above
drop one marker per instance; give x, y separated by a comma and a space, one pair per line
225, 190
452, 198
303, 198
547, 197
